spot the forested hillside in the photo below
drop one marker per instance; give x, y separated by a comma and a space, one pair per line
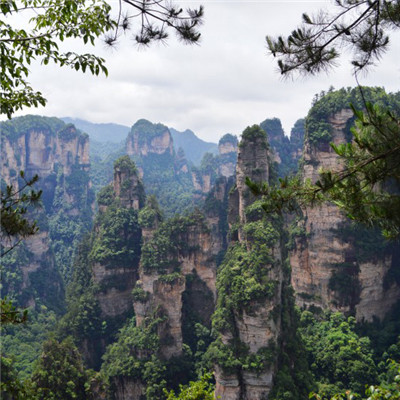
175, 283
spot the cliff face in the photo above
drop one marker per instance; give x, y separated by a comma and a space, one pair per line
146, 138
42, 146
336, 264
59, 154
249, 325
175, 291
252, 163
192, 253
164, 173
286, 151
106, 266
214, 166
116, 275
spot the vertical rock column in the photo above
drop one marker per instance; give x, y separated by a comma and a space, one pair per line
332, 264
249, 287
117, 232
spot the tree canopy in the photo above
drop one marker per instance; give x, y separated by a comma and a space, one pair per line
366, 188
47, 23
361, 25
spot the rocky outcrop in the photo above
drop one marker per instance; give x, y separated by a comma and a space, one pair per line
286, 150
251, 331
253, 163
59, 155
334, 266
164, 288
216, 212
177, 277
125, 388
213, 167
38, 149
146, 138
116, 274
128, 187
151, 148
227, 147
202, 181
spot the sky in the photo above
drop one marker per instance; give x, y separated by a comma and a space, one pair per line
224, 84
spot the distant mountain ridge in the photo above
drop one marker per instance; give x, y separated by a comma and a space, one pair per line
108, 132
193, 147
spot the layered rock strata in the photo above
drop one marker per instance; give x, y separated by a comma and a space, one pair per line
116, 275
250, 329
332, 266
213, 167
59, 155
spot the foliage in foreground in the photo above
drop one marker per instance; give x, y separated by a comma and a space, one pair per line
202, 389
366, 188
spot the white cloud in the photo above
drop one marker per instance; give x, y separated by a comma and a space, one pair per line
223, 85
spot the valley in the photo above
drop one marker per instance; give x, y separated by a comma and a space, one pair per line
156, 266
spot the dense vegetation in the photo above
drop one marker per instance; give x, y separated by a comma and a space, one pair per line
288, 150
320, 352
326, 104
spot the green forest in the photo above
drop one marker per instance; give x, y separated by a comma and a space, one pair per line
163, 266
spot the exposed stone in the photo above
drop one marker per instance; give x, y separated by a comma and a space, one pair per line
252, 163
146, 138
52, 150
322, 251
256, 329
128, 388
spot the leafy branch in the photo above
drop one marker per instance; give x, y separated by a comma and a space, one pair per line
366, 188
359, 25
14, 207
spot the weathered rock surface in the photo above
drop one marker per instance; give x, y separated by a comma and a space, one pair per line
59, 155
166, 293
252, 163
323, 252
117, 281
146, 138
213, 167
255, 329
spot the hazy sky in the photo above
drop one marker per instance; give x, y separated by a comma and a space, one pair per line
223, 85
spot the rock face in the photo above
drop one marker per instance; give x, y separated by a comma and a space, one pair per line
227, 147
251, 325
286, 151
117, 276
128, 187
164, 288
150, 146
59, 154
37, 149
252, 163
216, 212
335, 264
146, 138
212, 167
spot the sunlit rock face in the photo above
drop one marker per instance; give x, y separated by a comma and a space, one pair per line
333, 265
